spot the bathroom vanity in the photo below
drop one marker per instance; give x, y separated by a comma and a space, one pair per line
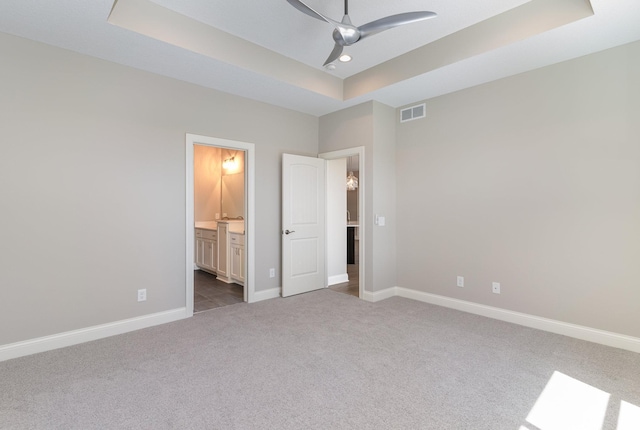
220, 249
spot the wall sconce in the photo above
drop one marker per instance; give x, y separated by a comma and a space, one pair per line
229, 163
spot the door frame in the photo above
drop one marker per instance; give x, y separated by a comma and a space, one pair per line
362, 214
249, 212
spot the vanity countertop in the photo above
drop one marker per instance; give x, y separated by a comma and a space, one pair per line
235, 226
353, 224
206, 225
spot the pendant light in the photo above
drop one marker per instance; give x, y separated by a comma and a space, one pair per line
352, 181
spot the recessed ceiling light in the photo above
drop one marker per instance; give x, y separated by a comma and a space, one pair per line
345, 58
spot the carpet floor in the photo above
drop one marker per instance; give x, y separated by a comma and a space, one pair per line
325, 360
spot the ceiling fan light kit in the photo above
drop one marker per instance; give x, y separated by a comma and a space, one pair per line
346, 34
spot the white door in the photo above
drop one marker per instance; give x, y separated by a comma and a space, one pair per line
303, 224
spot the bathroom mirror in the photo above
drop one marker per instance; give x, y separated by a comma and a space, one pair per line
232, 195
218, 182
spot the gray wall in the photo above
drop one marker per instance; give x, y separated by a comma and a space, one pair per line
92, 184
384, 196
371, 125
532, 181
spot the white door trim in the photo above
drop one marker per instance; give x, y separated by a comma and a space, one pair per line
362, 215
249, 213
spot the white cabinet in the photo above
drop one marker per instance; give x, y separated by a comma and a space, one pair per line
231, 260
206, 249
223, 252
237, 257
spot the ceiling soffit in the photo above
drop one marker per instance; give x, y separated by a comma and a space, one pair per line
532, 18
519, 23
155, 21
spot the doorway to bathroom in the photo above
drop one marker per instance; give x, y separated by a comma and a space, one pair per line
218, 179
219, 226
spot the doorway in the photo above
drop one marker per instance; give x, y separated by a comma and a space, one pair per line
219, 200
349, 174
356, 220
228, 241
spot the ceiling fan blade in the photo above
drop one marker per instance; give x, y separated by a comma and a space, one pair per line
392, 21
312, 13
337, 50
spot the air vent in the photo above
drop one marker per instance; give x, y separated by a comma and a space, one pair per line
413, 112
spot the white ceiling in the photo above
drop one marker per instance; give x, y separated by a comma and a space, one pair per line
81, 26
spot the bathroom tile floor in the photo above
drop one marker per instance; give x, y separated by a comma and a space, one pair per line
210, 293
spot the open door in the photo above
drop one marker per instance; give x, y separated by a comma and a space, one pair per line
303, 224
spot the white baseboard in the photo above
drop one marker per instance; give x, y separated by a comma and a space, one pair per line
271, 293
379, 295
60, 340
602, 337
338, 279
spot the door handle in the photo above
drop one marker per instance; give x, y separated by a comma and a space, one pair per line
289, 231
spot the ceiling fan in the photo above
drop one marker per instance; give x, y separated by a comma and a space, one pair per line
346, 34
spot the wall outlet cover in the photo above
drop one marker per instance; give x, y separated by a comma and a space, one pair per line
495, 287
142, 295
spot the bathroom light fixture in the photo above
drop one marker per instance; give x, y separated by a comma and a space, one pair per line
229, 163
345, 58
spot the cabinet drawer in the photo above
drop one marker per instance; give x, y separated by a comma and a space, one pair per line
206, 234
209, 234
237, 239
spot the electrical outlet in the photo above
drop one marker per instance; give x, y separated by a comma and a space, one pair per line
495, 287
272, 273
217, 215
460, 281
142, 295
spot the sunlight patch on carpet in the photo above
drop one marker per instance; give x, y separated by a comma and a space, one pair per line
567, 403
629, 417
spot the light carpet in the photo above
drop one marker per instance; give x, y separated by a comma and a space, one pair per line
323, 360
